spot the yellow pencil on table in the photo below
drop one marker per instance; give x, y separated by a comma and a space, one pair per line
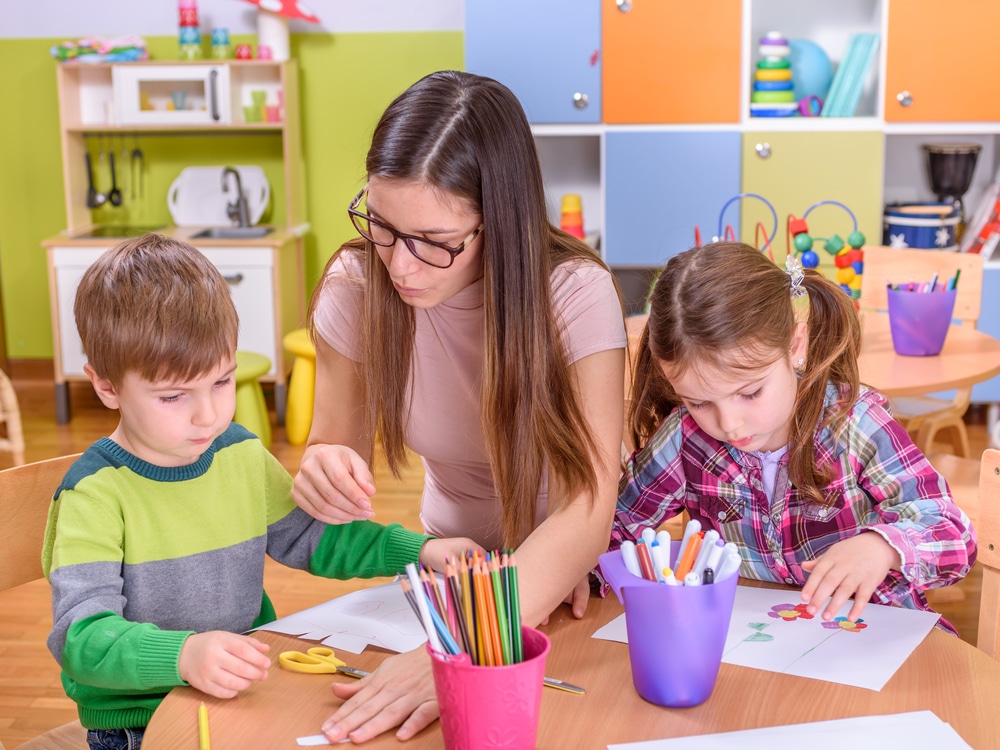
204, 742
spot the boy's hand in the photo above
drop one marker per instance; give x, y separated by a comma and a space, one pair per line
851, 567
434, 551
222, 664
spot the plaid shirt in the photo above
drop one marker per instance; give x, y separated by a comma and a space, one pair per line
881, 483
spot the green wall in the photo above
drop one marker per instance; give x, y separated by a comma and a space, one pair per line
346, 80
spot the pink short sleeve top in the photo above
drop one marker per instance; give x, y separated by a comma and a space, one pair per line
444, 428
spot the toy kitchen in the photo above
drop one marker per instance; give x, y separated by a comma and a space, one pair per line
205, 151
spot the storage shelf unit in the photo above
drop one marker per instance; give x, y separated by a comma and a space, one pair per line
665, 137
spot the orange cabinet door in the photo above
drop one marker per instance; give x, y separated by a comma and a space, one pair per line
941, 60
671, 61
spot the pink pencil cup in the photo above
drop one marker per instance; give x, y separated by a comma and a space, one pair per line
919, 321
483, 708
676, 634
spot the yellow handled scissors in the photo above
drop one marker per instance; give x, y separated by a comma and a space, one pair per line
316, 660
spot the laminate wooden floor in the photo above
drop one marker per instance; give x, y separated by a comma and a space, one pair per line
31, 696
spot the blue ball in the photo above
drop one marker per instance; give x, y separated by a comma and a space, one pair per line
812, 71
810, 259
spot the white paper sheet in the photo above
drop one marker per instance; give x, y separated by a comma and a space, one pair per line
378, 616
919, 729
768, 632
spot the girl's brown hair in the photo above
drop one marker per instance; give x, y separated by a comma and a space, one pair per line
468, 136
726, 297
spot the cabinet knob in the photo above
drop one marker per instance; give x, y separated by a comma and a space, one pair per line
763, 150
233, 279
904, 98
580, 101
624, 5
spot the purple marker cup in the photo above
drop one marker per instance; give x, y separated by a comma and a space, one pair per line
676, 634
919, 321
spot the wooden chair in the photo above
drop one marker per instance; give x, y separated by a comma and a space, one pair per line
988, 532
925, 416
27, 492
10, 415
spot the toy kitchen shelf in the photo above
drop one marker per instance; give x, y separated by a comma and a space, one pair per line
121, 100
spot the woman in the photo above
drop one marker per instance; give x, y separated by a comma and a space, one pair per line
464, 326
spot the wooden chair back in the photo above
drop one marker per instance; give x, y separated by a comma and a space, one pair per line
884, 265
988, 534
26, 493
10, 415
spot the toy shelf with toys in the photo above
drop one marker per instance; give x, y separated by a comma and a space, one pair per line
644, 108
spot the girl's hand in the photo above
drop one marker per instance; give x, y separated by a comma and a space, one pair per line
577, 599
333, 485
434, 551
851, 567
222, 664
400, 691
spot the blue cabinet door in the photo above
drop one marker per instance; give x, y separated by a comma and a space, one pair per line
660, 185
546, 53
989, 322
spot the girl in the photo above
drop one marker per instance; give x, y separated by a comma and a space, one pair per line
748, 404
463, 326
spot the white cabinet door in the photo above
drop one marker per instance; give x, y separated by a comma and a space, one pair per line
172, 94
249, 271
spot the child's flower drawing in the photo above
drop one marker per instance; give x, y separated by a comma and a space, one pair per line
842, 623
789, 612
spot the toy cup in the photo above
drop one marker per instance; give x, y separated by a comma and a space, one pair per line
243, 52
919, 321
676, 634
491, 707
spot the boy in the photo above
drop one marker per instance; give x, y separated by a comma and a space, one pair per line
156, 538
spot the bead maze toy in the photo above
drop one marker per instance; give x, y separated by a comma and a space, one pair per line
848, 258
727, 233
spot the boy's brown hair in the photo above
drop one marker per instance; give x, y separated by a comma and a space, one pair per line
157, 307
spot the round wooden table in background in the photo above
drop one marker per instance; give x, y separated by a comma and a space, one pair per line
969, 356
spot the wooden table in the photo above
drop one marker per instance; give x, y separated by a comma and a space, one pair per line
956, 681
969, 356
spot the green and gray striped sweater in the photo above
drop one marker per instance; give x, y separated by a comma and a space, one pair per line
141, 556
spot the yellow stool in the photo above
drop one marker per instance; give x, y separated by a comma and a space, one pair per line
302, 387
251, 411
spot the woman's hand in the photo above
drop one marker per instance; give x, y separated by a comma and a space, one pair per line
851, 567
399, 692
333, 485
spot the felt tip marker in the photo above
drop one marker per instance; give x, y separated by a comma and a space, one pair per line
631, 558
645, 562
728, 567
692, 528
669, 578
661, 559
708, 576
707, 544
715, 555
648, 535
692, 579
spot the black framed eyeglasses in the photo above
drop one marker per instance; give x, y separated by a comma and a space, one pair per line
436, 254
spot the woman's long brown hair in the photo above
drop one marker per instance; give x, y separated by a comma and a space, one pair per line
725, 297
468, 136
